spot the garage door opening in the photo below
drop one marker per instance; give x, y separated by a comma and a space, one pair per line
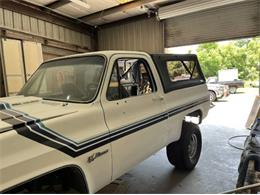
228, 60
228, 64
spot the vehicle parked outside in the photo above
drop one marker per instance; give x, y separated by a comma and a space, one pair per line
82, 121
217, 91
254, 84
233, 85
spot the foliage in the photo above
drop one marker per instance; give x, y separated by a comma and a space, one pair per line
241, 54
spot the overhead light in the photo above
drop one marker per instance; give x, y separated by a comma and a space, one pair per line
191, 6
82, 3
123, 1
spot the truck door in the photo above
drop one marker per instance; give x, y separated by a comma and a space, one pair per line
133, 104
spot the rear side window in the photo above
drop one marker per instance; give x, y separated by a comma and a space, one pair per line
182, 70
178, 71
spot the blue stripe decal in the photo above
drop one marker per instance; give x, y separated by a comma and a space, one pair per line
4, 106
34, 129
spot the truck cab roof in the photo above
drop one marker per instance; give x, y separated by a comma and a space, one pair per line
109, 53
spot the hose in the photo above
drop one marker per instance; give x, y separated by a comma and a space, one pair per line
234, 146
242, 188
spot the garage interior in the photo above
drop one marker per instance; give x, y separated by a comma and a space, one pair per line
34, 31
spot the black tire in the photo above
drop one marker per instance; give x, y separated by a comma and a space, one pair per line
180, 153
212, 96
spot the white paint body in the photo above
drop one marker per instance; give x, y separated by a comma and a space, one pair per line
22, 159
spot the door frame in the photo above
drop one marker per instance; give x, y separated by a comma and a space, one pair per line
110, 66
3, 80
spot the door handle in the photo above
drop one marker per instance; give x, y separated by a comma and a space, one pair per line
158, 98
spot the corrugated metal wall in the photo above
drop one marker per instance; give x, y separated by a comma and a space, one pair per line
20, 22
239, 20
52, 52
54, 37
141, 35
2, 85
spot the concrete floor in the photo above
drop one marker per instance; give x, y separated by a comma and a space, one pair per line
217, 168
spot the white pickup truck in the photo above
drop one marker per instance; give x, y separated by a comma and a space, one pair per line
82, 121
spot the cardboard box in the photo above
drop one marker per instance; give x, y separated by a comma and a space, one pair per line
254, 114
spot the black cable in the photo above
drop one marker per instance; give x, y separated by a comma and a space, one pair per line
229, 139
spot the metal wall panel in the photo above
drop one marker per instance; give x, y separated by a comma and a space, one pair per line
13, 20
20, 60
141, 35
1, 16
34, 25
8, 18
85, 39
238, 20
17, 21
56, 32
61, 33
2, 79
14, 65
25, 23
33, 57
31, 32
41, 28
52, 52
49, 30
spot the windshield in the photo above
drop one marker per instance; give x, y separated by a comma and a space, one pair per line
72, 79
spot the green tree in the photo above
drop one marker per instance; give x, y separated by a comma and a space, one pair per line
234, 57
253, 58
241, 54
209, 58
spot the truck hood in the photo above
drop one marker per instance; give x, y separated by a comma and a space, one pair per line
34, 107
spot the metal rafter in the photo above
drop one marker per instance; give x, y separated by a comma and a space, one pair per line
57, 4
116, 9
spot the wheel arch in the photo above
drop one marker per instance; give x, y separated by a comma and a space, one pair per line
213, 91
71, 168
197, 113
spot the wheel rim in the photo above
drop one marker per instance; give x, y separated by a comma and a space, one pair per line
232, 90
211, 96
192, 147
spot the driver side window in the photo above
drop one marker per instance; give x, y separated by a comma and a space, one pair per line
130, 77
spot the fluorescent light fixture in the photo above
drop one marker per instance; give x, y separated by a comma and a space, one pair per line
82, 3
123, 1
191, 6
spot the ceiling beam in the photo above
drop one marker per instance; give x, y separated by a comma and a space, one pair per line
116, 9
57, 4
42, 13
